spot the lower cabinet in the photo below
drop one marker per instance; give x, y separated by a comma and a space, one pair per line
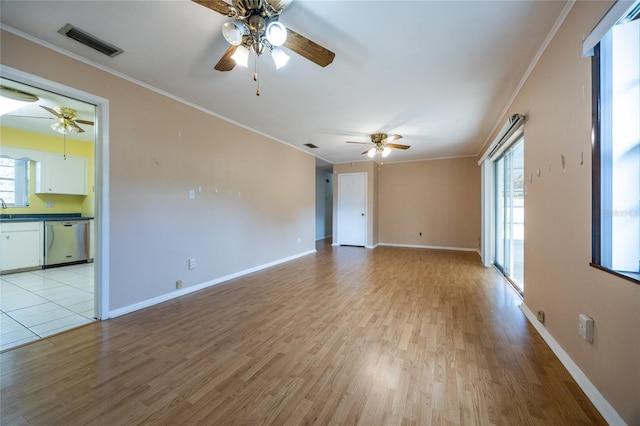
21, 245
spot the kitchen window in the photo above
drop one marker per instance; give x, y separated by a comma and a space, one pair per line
616, 148
14, 181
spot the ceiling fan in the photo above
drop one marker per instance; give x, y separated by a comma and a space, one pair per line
381, 145
66, 119
256, 28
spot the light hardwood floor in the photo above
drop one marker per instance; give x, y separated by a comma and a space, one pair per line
347, 336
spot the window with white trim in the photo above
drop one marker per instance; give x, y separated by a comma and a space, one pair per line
14, 181
616, 147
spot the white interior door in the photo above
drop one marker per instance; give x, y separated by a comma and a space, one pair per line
352, 209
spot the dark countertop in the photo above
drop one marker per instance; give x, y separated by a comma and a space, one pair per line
10, 218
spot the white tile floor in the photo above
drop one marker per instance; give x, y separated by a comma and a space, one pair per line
40, 303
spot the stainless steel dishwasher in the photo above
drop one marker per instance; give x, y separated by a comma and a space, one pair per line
66, 241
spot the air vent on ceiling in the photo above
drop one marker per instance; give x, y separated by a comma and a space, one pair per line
88, 40
310, 145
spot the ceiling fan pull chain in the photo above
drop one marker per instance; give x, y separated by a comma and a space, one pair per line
256, 76
64, 153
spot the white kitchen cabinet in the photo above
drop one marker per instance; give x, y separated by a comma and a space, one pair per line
21, 245
57, 175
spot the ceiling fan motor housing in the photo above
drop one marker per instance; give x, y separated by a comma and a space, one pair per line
257, 24
66, 113
377, 138
265, 8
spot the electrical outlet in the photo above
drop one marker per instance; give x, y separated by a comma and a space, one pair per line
178, 284
585, 327
192, 263
541, 316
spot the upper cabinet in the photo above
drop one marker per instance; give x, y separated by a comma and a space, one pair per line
57, 175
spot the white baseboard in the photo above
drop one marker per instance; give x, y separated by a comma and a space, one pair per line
417, 246
601, 404
429, 247
168, 296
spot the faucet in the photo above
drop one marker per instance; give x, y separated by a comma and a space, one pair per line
3, 204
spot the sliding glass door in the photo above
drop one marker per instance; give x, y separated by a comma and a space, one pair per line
509, 214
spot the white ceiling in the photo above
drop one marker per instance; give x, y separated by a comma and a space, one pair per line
440, 73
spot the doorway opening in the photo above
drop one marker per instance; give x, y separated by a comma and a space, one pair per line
45, 293
324, 204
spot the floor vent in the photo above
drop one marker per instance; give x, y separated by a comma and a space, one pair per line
89, 40
310, 145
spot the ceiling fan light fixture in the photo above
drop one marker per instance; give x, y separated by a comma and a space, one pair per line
280, 58
63, 128
241, 56
372, 152
276, 33
386, 151
233, 32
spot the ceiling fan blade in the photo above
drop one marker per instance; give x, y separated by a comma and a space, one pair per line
90, 123
363, 143
366, 152
308, 49
31, 116
219, 6
75, 126
226, 63
52, 111
397, 146
392, 138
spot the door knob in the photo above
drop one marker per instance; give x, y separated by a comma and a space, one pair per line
361, 214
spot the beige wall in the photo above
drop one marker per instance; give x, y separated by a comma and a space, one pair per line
440, 198
257, 199
371, 169
558, 279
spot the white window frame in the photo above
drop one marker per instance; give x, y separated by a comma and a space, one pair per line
21, 183
512, 131
607, 238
